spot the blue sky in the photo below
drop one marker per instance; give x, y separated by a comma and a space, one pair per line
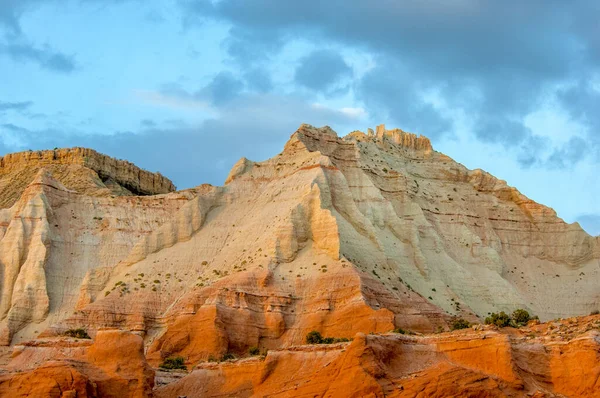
188, 87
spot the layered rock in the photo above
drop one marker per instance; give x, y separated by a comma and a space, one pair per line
51, 237
343, 235
79, 169
112, 366
474, 363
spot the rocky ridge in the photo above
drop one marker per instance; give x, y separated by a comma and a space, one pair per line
344, 235
79, 169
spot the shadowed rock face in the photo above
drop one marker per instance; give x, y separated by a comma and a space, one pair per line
344, 235
79, 169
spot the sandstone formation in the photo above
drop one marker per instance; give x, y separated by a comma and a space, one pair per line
532, 361
79, 169
112, 366
344, 235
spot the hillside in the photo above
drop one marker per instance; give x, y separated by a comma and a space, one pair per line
357, 234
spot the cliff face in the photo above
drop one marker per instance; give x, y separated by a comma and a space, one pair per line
79, 169
533, 362
344, 235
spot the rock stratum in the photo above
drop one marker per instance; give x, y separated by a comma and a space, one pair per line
344, 235
80, 169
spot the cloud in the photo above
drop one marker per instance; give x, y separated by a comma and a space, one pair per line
591, 223
258, 80
251, 125
392, 94
495, 62
221, 89
45, 56
321, 70
15, 106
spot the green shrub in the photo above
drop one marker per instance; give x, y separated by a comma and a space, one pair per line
399, 330
499, 319
227, 357
595, 312
77, 333
520, 316
173, 363
460, 323
253, 350
314, 337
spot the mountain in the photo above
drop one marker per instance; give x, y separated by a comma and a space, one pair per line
358, 234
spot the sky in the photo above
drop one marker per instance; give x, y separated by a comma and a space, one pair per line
188, 87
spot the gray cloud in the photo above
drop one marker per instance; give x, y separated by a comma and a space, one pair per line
393, 94
321, 70
222, 88
251, 125
495, 61
258, 80
45, 56
15, 106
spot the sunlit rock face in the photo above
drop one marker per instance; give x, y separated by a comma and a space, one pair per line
357, 234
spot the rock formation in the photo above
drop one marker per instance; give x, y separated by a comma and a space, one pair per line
344, 235
530, 362
79, 169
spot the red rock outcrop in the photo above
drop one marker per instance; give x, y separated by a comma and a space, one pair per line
484, 363
113, 366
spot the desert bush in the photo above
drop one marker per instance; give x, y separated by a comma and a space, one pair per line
227, 357
520, 316
253, 350
460, 323
173, 363
315, 337
77, 333
499, 319
595, 312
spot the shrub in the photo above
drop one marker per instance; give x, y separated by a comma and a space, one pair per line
499, 319
399, 330
173, 363
595, 312
520, 316
253, 350
77, 333
227, 357
460, 323
314, 337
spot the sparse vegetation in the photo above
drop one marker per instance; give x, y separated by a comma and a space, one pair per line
315, 337
499, 319
518, 318
77, 333
402, 331
460, 323
253, 351
595, 312
227, 357
173, 363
